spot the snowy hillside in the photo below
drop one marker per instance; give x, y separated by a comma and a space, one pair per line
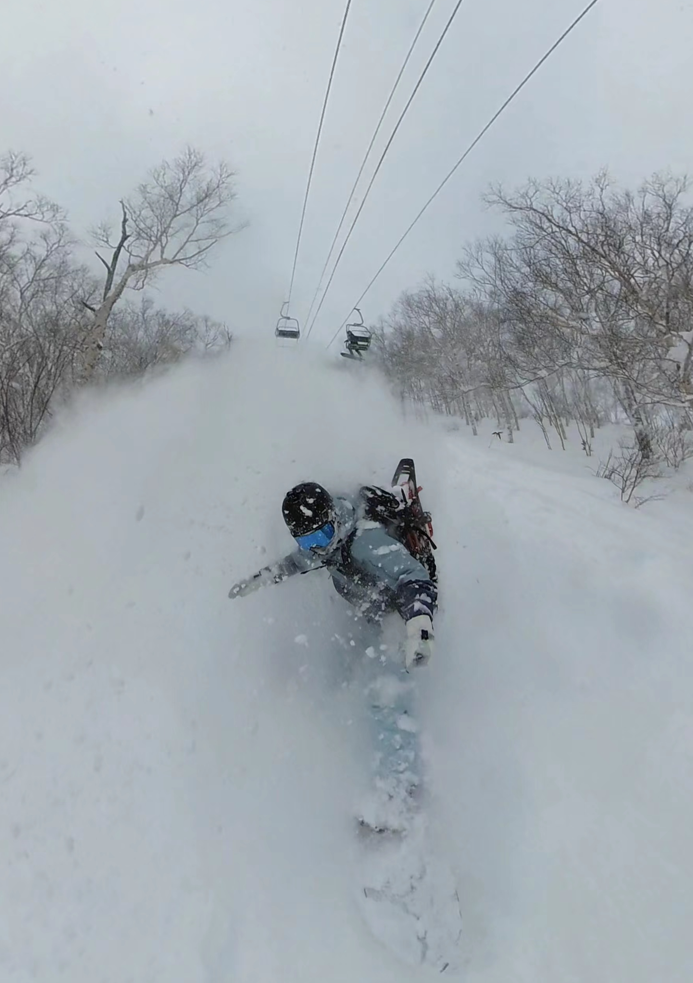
178, 771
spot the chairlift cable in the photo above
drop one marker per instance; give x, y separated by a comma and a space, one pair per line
367, 155
315, 148
464, 156
382, 158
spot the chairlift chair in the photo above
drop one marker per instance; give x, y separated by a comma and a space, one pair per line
358, 339
287, 327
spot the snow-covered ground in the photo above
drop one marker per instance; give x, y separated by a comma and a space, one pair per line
178, 771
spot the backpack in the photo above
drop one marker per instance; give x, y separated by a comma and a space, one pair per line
404, 521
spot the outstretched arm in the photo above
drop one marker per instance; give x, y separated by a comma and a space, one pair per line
275, 573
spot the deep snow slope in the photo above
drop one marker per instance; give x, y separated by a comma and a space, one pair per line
178, 770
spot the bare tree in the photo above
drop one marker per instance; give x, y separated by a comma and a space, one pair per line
141, 337
39, 306
16, 172
627, 470
175, 218
583, 313
54, 314
598, 280
41, 327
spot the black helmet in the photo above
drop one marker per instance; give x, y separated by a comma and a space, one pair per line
307, 507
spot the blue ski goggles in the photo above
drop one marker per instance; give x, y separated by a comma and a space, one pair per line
314, 540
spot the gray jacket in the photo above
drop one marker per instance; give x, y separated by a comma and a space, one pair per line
369, 568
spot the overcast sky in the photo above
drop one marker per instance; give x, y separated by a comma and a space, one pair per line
98, 93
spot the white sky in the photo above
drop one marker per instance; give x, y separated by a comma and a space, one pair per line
98, 93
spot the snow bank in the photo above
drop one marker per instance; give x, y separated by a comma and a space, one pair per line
178, 770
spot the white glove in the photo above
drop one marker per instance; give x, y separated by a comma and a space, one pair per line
263, 578
418, 647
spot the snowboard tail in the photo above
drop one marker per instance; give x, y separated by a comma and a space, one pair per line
409, 899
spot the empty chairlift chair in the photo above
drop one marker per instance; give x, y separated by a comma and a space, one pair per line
287, 327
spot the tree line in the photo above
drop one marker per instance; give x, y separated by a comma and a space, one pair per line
581, 313
62, 326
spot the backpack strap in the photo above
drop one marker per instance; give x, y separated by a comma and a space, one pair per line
342, 561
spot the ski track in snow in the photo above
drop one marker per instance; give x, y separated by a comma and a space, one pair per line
178, 770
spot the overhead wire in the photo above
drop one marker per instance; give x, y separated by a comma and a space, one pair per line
383, 156
464, 156
368, 153
315, 149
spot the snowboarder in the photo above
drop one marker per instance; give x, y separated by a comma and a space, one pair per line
369, 567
